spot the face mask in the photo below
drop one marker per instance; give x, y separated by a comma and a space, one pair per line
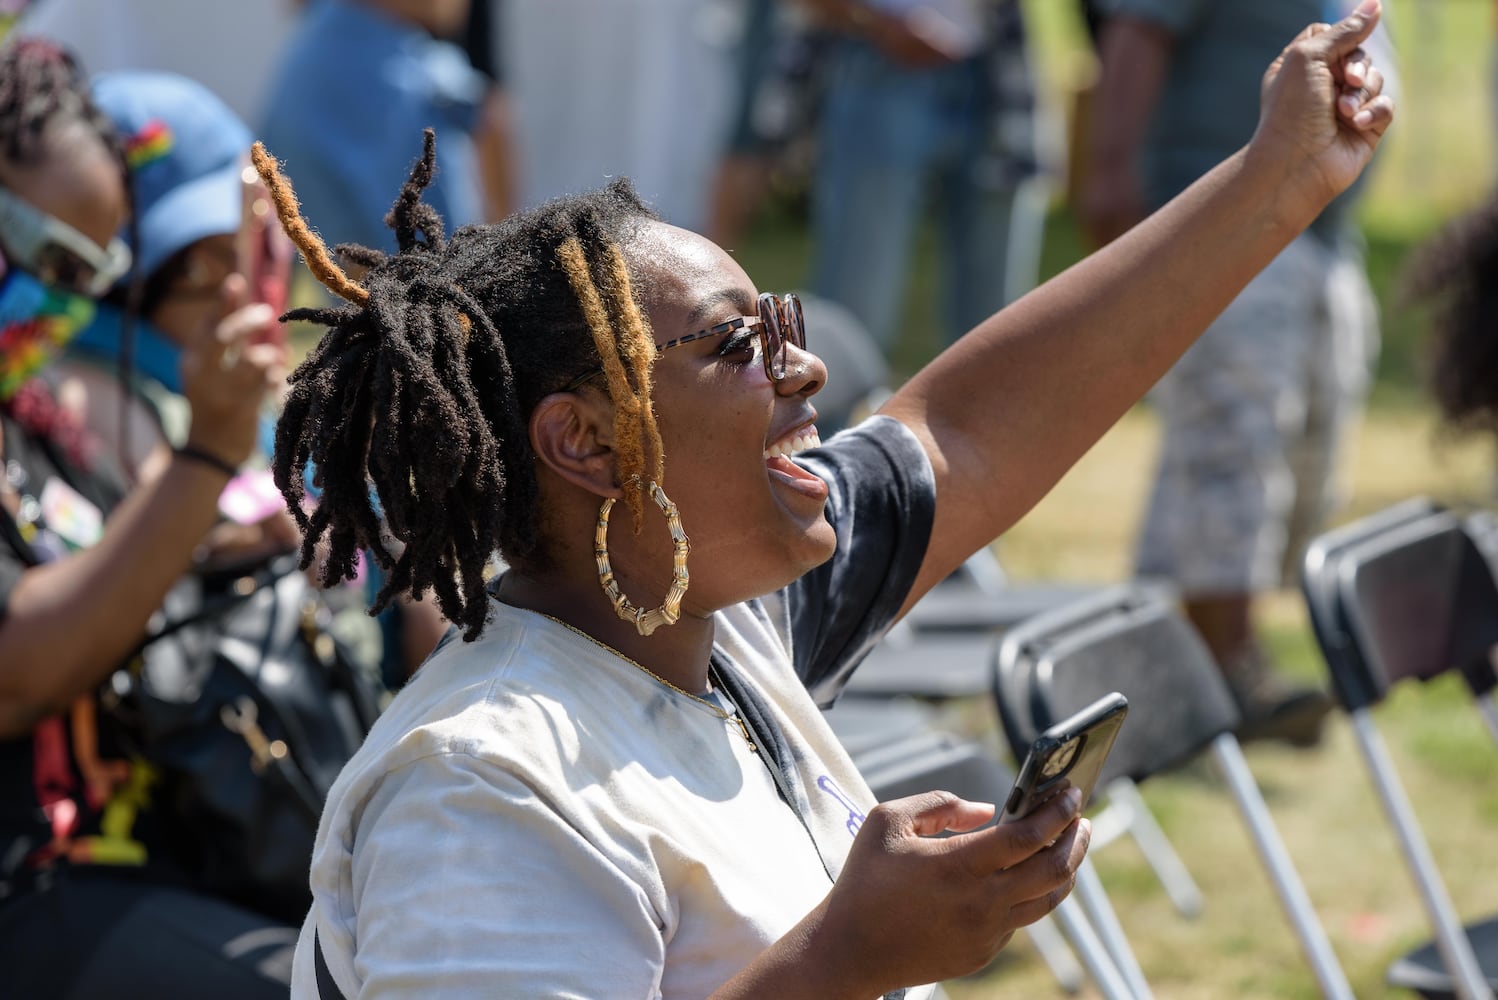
36, 321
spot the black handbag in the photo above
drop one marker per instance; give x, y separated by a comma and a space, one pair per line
247, 707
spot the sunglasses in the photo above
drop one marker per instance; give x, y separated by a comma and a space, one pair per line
55, 253
779, 325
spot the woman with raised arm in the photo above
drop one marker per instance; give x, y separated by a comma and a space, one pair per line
90, 902
618, 783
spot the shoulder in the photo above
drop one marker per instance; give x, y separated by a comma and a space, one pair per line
528, 699
479, 700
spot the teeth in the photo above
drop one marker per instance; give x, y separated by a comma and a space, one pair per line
794, 445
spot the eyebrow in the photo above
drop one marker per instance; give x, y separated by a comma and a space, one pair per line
710, 304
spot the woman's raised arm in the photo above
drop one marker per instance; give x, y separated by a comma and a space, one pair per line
1008, 409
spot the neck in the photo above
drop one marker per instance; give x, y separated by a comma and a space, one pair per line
678, 653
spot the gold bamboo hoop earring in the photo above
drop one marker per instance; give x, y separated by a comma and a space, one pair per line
669, 612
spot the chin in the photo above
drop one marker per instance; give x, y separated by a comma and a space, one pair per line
816, 547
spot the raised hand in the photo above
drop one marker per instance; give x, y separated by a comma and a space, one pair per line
1323, 106
227, 371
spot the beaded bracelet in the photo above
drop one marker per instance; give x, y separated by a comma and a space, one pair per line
209, 459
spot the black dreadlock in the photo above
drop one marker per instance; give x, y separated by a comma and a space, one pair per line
1457, 273
425, 381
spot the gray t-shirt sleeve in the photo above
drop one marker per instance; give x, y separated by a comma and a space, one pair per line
881, 503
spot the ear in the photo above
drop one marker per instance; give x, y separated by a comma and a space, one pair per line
572, 434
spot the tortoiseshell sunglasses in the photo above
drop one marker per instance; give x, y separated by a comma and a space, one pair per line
778, 324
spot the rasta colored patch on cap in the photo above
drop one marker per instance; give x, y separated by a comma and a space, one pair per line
150, 144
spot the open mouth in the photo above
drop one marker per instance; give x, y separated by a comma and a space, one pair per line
778, 462
794, 443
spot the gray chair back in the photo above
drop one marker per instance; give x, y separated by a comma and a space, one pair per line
1406, 594
1130, 639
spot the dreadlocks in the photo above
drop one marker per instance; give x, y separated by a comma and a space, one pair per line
1458, 274
41, 84
426, 378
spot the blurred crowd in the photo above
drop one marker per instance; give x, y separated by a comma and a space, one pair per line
141, 363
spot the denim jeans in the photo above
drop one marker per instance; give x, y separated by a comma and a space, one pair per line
892, 138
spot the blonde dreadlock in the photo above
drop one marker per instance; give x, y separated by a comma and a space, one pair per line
623, 341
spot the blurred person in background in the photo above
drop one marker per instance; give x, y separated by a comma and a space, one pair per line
187, 153
356, 78
88, 906
776, 101
495, 145
928, 103
1257, 412
610, 88
1456, 273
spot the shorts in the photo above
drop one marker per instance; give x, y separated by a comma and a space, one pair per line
1255, 416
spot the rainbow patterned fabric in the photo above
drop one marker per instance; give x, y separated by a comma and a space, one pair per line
35, 323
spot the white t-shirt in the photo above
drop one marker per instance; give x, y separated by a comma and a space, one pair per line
534, 816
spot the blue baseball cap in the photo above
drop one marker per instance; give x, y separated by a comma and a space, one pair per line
185, 150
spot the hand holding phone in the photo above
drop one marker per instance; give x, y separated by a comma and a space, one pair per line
1069, 754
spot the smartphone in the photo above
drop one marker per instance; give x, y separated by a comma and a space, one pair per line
263, 253
1070, 754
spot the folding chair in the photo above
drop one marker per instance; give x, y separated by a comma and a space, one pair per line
943, 647
944, 650
1408, 594
1132, 639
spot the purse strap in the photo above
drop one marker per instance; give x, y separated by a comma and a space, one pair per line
262, 576
326, 988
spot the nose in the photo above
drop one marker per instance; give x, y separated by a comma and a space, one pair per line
805, 373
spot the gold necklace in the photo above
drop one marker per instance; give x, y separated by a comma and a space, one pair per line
725, 716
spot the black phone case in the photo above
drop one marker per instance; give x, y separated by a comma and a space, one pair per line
1043, 774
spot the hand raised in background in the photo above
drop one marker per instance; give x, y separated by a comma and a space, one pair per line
1323, 110
228, 370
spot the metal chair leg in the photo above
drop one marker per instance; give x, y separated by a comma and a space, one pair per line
1158, 852
1110, 982
1287, 884
1099, 911
1057, 955
1451, 940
